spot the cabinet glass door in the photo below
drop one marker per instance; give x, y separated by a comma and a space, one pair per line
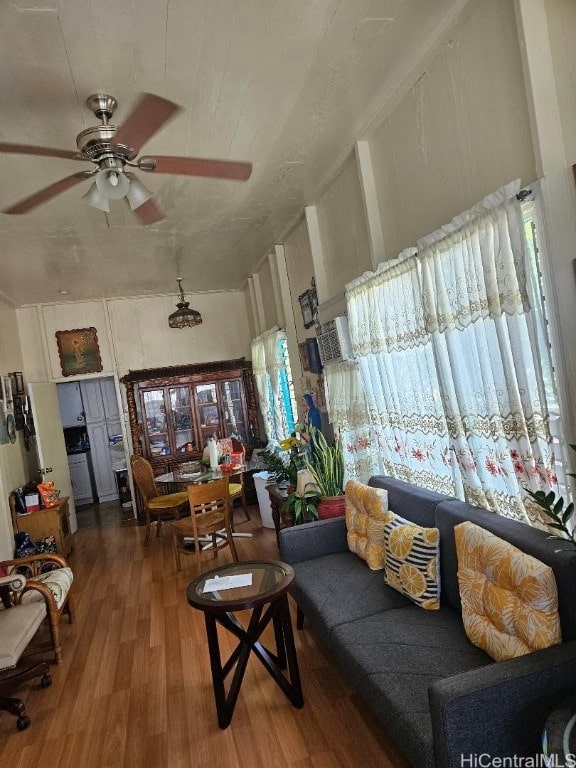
155, 422
232, 404
208, 411
181, 414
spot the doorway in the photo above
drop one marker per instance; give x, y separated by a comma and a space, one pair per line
93, 435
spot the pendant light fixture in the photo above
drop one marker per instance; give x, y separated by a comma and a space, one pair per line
184, 317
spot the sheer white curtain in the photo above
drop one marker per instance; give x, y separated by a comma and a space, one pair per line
267, 363
396, 363
348, 412
482, 317
447, 349
261, 379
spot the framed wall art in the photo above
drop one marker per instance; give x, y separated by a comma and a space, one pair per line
7, 397
79, 351
304, 360
309, 305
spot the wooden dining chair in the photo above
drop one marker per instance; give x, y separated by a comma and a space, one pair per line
209, 525
156, 505
237, 487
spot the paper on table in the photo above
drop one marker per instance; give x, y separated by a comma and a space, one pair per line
228, 582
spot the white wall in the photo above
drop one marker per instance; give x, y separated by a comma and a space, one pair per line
133, 333
15, 462
462, 131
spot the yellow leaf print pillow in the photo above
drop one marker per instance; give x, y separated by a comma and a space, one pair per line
509, 599
412, 555
365, 511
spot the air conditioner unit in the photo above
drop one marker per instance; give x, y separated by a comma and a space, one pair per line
334, 340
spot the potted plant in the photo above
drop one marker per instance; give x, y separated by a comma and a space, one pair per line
559, 514
326, 463
304, 508
285, 470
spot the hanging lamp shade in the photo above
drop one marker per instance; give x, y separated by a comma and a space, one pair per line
184, 317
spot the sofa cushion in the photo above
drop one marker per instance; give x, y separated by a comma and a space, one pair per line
365, 514
509, 599
338, 588
58, 581
414, 503
560, 556
18, 626
392, 658
411, 561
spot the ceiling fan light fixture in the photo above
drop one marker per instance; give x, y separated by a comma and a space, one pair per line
183, 316
112, 183
96, 199
137, 194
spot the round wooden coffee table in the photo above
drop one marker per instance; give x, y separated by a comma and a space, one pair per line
261, 587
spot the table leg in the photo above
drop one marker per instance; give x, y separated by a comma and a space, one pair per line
277, 612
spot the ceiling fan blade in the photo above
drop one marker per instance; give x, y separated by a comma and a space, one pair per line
196, 166
30, 149
147, 117
29, 203
149, 213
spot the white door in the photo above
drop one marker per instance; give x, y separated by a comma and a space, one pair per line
92, 399
101, 463
50, 446
70, 401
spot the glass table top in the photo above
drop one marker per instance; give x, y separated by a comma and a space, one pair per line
195, 474
265, 580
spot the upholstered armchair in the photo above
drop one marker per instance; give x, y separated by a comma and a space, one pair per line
18, 625
49, 581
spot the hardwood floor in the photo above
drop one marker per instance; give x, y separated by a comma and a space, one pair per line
134, 690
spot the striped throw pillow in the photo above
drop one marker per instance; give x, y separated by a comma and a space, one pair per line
412, 555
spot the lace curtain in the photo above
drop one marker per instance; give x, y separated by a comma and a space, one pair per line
446, 345
397, 367
267, 364
348, 412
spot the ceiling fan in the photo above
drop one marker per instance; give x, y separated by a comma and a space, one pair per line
114, 149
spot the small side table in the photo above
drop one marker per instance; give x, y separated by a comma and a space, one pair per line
281, 516
267, 598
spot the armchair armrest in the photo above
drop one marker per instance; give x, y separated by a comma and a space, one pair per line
34, 563
15, 581
310, 540
500, 709
10, 587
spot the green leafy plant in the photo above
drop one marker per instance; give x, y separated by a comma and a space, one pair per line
281, 470
305, 507
326, 463
560, 515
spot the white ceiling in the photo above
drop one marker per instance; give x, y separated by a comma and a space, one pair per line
288, 85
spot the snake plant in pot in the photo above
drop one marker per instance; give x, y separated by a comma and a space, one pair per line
326, 464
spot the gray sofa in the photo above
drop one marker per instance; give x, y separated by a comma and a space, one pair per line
437, 695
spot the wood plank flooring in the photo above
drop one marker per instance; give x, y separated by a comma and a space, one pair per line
134, 690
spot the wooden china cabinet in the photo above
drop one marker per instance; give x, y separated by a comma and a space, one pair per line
174, 410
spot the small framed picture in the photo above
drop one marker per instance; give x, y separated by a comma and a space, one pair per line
7, 396
314, 356
17, 383
306, 309
304, 359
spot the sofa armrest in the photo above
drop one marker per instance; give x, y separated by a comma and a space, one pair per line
310, 540
500, 709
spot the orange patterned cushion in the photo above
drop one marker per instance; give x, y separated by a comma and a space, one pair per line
412, 555
365, 512
509, 599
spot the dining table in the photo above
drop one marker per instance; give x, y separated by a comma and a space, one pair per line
184, 475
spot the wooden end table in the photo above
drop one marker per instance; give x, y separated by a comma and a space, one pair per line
267, 597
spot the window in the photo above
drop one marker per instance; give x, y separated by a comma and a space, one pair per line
273, 376
453, 351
